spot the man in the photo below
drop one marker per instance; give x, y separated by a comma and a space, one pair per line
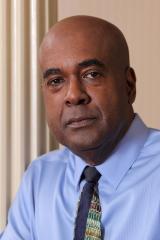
89, 89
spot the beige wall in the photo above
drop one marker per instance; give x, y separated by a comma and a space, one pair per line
140, 22
23, 132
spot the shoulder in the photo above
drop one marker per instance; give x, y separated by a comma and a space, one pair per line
49, 165
152, 145
149, 156
59, 156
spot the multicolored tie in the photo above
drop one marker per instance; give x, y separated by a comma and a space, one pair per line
88, 221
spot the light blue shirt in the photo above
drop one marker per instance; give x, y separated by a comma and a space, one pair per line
129, 188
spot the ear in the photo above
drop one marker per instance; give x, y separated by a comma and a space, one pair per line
131, 84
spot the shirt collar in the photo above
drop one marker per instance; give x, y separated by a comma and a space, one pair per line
126, 152
79, 167
120, 161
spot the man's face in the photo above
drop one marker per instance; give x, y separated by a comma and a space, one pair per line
85, 93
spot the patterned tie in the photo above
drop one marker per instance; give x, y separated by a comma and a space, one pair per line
88, 224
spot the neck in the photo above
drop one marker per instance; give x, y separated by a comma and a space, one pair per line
98, 155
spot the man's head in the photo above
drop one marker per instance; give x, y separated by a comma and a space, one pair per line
88, 85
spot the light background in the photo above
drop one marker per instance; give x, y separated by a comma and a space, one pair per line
23, 131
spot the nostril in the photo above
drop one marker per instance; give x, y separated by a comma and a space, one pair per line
82, 98
85, 99
82, 101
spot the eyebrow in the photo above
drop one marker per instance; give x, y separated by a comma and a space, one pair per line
85, 63
90, 62
51, 71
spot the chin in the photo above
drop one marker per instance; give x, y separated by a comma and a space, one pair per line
84, 139
83, 145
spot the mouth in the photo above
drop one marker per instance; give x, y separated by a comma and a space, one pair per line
80, 122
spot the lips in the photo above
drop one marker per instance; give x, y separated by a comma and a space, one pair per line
80, 122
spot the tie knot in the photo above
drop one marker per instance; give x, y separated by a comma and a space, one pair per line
91, 174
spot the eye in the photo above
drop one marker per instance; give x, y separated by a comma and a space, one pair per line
92, 75
55, 82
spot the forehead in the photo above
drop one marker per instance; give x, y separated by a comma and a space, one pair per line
66, 48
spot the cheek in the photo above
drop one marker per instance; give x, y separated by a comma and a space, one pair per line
104, 99
111, 103
53, 110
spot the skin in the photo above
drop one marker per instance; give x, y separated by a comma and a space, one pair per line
88, 86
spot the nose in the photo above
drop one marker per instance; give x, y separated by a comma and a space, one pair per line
76, 94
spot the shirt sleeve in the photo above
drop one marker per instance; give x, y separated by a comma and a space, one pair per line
20, 224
